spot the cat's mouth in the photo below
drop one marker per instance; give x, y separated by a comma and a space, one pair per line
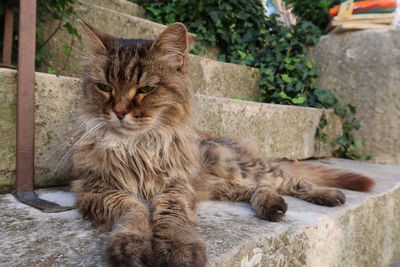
129, 125
125, 126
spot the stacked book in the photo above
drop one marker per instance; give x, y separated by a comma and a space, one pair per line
360, 15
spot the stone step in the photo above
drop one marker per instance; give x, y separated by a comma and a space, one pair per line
279, 131
362, 232
209, 77
122, 6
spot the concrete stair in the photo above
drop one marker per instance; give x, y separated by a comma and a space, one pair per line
362, 232
122, 6
279, 131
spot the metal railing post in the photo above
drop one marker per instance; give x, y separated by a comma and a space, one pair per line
26, 109
26, 96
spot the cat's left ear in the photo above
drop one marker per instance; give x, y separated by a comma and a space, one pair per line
172, 45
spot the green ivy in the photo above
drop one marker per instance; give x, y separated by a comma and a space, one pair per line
349, 145
247, 37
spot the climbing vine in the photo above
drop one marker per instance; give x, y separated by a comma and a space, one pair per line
246, 36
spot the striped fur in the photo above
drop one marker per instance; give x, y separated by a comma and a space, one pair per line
141, 166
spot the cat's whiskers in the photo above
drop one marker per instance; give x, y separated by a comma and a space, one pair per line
91, 130
57, 153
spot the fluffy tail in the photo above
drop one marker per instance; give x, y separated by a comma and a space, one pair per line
322, 176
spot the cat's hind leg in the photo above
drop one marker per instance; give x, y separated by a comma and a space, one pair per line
312, 193
130, 241
300, 188
312, 182
232, 171
268, 203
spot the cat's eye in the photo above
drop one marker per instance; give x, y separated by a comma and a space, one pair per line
104, 87
146, 89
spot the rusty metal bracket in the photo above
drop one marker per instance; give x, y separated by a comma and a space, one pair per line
25, 111
31, 199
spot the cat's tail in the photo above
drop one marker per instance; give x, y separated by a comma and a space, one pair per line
322, 176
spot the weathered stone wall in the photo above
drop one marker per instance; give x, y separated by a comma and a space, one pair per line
7, 127
363, 69
56, 100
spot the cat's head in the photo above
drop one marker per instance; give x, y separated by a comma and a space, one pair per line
133, 85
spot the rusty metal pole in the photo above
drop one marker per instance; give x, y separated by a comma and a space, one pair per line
26, 96
25, 110
8, 35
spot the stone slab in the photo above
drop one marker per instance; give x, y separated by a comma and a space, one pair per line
362, 69
7, 127
56, 101
122, 6
209, 77
362, 232
279, 131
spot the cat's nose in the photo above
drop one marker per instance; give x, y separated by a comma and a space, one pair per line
120, 114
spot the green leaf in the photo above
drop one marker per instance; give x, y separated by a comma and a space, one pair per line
325, 96
290, 67
299, 100
242, 54
283, 95
358, 144
65, 48
286, 78
50, 70
353, 109
267, 71
287, 60
309, 64
341, 140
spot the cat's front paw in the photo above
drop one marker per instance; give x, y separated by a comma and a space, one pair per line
176, 247
129, 248
269, 207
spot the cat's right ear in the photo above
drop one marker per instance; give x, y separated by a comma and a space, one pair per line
96, 40
172, 44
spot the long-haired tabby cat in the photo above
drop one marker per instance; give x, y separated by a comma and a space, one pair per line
142, 166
